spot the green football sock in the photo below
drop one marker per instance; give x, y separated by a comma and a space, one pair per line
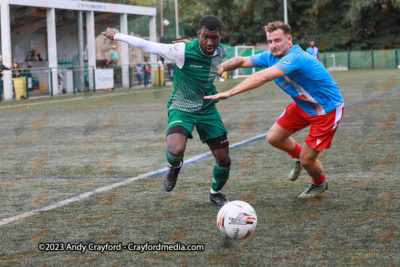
221, 176
175, 161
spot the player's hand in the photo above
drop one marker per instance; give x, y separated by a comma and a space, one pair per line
221, 71
220, 96
110, 33
181, 41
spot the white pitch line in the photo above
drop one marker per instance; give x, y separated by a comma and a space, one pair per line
79, 197
112, 186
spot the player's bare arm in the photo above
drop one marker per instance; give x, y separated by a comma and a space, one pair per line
235, 63
255, 80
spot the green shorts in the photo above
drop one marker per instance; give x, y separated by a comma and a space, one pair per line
208, 123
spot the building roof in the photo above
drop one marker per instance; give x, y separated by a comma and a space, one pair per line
31, 15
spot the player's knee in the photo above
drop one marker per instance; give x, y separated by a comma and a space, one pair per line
306, 161
225, 161
272, 140
176, 149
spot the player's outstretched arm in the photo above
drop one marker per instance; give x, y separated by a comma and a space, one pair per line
146, 46
253, 81
172, 52
235, 63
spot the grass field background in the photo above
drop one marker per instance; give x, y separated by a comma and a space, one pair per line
60, 147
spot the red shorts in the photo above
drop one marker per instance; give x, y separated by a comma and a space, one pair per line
322, 129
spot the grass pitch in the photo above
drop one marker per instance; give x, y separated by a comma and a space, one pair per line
56, 149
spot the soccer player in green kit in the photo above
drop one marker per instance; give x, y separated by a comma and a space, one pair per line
197, 64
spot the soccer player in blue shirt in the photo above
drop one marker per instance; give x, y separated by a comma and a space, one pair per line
317, 101
313, 50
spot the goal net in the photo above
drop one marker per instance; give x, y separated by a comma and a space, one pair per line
243, 51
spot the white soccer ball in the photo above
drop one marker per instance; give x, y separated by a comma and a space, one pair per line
237, 219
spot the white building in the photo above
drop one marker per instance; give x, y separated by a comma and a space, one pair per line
57, 29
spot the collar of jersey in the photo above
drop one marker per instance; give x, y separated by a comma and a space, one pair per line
293, 48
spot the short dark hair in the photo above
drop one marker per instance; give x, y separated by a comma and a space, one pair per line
276, 25
211, 23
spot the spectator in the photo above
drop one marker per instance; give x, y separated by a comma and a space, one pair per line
34, 84
313, 50
160, 66
113, 56
170, 69
146, 71
2, 67
16, 71
39, 58
160, 63
25, 71
32, 56
139, 73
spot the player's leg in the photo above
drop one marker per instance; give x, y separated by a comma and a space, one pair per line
280, 138
213, 132
220, 149
322, 131
180, 126
176, 145
311, 164
314, 168
280, 133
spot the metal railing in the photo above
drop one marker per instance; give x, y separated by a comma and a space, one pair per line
138, 77
366, 59
72, 80
67, 79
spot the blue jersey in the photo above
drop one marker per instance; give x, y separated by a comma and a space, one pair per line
313, 51
306, 80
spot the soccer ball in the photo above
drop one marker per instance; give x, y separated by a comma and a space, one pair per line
237, 219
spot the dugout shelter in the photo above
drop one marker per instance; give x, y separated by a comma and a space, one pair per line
63, 28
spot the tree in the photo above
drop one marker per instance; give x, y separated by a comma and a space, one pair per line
334, 25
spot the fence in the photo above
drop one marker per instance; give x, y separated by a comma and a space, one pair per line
341, 60
372, 59
36, 82
139, 78
72, 80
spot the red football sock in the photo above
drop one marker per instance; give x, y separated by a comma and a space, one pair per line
296, 152
320, 180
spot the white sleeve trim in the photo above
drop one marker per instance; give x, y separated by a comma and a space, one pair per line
172, 52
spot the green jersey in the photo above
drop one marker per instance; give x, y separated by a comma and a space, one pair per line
194, 79
194, 71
